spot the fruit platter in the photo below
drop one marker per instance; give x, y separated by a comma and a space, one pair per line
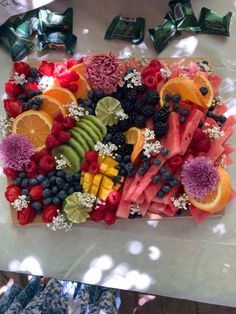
104, 139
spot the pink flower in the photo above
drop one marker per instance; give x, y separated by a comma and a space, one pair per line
104, 72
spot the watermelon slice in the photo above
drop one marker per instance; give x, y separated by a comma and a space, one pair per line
221, 109
167, 198
156, 208
198, 214
124, 206
228, 149
228, 160
151, 191
215, 81
170, 210
215, 151
144, 207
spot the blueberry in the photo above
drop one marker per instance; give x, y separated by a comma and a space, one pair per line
80, 101
184, 112
203, 90
126, 158
62, 194
23, 174
160, 194
52, 180
210, 114
26, 106
176, 98
46, 183
91, 111
56, 200
35, 107
37, 206
108, 137
223, 119
47, 193
118, 167
66, 186
166, 105
174, 181
78, 187
33, 72
166, 176
28, 198
141, 171
60, 173
157, 161
17, 181
31, 92
47, 201
25, 182
90, 94
52, 173
166, 188
123, 172
118, 178
155, 179
176, 107
55, 190
162, 170
69, 178
76, 176
38, 100
129, 166
146, 164
38, 92
122, 164
21, 97
40, 178
24, 192
71, 190
118, 157
181, 119
131, 173
217, 118
168, 97
99, 94
164, 151
178, 213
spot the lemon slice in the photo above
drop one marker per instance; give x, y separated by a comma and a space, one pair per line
74, 211
107, 109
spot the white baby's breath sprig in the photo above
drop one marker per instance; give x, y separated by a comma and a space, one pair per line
213, 131
204, 66
121, 115
20, 203
181, 202
76, 111
5, 125
86, 199
217, 101
59, 223
150, 146
135, 209
19, 78
45, 83
133, 78
60, 162
105, 149
165, 72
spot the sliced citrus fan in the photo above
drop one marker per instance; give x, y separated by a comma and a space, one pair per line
61, 94
35, 125
135, 136
83, 87
217, 200
107, 109
201, 81
79, 69
75, 212
187, 90
51, 105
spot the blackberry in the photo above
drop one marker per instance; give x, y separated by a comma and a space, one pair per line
132, 117
139, 105
128, 149
148, 111
132, 95
140, 122
118, 139
113, 129
161, 114
160, 129
127, 106
124, 125
152, 97
119, 94
141, 89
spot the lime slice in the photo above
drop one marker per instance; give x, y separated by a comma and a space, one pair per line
74, 211
106, 110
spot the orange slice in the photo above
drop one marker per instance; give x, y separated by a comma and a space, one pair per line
135, 136
218, 199
186, 88
83, 87
63, 95
201, 81
35, 125
79, 69
51, 105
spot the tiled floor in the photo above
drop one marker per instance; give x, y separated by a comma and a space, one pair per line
136, 303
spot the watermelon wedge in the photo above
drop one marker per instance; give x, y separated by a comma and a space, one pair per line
198, 214
215, 81
228, 149
221, 109
156, 208
215, 151
124, 206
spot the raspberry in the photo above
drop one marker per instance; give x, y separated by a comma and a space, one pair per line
59, 117
33, 174
12, 192
73, 87
63, 136
37, 156
56, 128
114, 198
176, 162
47, 163
150, 82
10, 173
52, 141
41, 171
64, 83
71, 62
94, 168
31, 167
84, 166
73, 76
36, 193
91, 156
96, 214
202, 146
68, 122
198, 136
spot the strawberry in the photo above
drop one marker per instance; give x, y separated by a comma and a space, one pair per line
73, 76
26, 215
91, 156
52, 141
59, 117
63, 136
60, 69
13, 89
10, 173
13, 107
21, 68
36, 193
49, 212
94, 168
73, 87
64, 83
43, 152
68, 122
96, 214
12, 192
84, 166
46, 68
29, 87
56, 128
114, 198
47, 163
110, 217
31, 167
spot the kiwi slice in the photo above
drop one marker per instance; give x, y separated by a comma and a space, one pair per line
95, 121
85, 136
106, 110
70, 156
77, 147
92, 130
79, 139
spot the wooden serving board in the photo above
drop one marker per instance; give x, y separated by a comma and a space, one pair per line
149, 216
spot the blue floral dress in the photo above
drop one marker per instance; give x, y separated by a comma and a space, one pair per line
59, 297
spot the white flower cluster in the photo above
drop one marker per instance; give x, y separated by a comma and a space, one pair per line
217, 101
86, 199
100, 202
59, 223
105, 149
181, 202
204, 67
121, 115
46, 82
165, 72
19, 79
60, 162
214, 131
222, 161
20, 203
143, 61
150, 147
5, 125
135, 209
76, 112
133, 79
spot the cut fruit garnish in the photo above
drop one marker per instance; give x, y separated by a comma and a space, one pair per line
35, 125
217, 200
79, 69
135, 136
51, 105
83, 87
186, 89
74, 211
202, 82
107, 109
63, 95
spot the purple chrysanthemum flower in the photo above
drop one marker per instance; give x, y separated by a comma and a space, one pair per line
15, 151
200, 177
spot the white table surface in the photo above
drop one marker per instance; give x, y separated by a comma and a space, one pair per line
177, 258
